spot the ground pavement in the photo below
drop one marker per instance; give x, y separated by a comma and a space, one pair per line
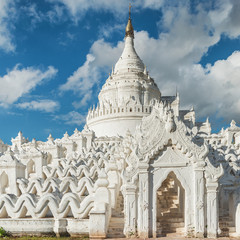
175, 238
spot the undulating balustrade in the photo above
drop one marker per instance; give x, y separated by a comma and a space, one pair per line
67, 189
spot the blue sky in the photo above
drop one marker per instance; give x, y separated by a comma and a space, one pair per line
56, 54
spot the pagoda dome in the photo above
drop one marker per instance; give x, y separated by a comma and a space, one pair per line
126, 96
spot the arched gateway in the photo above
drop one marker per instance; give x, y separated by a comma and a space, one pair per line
167, 179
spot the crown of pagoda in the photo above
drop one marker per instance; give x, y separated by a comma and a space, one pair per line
129, 60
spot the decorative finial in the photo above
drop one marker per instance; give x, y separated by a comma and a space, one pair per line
130, 6
145, 70
66, 135
233, 123
129, 27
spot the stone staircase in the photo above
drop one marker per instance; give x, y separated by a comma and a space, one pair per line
116, 225
170, 220
226, 224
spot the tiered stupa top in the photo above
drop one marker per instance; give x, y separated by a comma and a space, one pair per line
129, 59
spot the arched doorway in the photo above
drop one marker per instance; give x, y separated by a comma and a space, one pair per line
170, 207
30, 168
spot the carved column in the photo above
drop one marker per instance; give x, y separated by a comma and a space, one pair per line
143, 204
199, 200
130, 210
100, 214
212, 209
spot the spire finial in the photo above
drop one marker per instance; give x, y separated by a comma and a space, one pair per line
130, 6
129, 28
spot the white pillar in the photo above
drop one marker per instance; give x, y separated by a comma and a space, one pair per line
143, 204
100, 214
130, 210
98, 221
199, 201
212, 209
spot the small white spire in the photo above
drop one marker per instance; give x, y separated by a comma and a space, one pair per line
145, 70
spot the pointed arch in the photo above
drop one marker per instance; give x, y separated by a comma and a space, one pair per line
30, 168
179, 177
182, 182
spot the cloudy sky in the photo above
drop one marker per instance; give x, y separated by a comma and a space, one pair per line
56, 54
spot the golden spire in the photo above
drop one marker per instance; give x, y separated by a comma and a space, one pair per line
129, 27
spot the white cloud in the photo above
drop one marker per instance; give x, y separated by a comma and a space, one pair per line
7, 11
81, 80
72, 118
35, 15
108, 30
12, 11
105, 53
84, 101
152, 4
214, 88
86, 78
226, 17
56, 14
20, 81
40, 105
78, 8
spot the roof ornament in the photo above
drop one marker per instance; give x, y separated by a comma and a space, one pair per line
170, 123
129, 27
130, 6
145, 70
233, 123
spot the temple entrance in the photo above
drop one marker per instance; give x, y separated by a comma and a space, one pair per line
170, 207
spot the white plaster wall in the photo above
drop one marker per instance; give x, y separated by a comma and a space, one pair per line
114, 127
27, 226
21, 226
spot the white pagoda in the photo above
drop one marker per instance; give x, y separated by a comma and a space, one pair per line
141, 167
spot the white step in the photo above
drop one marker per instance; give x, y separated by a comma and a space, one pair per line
175, 220
115, 235
172, 225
